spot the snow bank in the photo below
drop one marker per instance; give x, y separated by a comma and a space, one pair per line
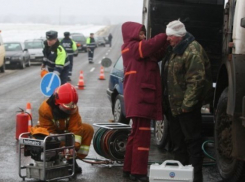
22, 32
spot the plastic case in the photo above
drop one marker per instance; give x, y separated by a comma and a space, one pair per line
171, 170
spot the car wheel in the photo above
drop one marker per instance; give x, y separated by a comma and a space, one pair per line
22, 64
3, 67
118, 112
229, 168
161, 133
28, 63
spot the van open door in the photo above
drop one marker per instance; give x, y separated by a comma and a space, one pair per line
202, 18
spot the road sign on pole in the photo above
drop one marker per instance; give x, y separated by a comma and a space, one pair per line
49, 83
106, 62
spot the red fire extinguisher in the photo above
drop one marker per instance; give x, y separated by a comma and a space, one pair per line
21, 123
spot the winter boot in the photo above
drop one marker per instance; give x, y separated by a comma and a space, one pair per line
78, 169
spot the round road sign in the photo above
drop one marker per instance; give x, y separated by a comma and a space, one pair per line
106, 62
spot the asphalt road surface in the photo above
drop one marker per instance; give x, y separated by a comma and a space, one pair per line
17, 87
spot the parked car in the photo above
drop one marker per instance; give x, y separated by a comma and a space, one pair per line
16, 54
2, 55
80, 39
100, 41
161, 127
115, 92
106, 40
35, 49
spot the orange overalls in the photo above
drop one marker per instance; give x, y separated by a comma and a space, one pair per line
83, 132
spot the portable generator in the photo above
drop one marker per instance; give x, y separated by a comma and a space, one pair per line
49, 159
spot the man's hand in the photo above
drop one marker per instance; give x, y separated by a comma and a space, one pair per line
69, 153
42, 67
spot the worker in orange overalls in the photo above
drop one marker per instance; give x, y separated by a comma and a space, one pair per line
59, 114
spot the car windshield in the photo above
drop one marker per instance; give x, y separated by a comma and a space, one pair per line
12, 47
100, 38
33, 45
77, 38
119, 64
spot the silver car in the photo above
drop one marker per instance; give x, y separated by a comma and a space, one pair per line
35, 48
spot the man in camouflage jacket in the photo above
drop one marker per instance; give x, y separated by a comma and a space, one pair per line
186, 85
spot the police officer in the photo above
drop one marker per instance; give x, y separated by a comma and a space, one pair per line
70, 47
90, 47
55, 58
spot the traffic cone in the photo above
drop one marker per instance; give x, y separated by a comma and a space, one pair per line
102, 75
28, 110
80, 84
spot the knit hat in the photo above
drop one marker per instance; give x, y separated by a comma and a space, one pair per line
176, 28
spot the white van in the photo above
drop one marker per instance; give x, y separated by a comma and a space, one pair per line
2, 54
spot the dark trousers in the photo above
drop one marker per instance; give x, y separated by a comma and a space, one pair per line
138, 146
64, 75
70, 57
90, 54
185, 133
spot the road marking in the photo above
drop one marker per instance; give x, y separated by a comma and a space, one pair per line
99, 62
106, 53
92, 70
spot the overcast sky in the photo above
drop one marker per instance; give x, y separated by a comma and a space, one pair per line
89, 11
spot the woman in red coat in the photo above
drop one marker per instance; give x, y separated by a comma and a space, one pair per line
142, 94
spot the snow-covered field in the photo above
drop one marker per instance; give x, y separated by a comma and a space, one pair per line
22, 32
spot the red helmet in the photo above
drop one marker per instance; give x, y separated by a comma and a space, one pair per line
66, 97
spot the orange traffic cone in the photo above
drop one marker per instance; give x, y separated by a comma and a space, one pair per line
80, 84
28, 110
102, 75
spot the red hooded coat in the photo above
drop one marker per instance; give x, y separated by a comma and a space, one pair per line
142, 83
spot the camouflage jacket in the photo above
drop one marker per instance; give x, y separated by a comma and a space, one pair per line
189, 80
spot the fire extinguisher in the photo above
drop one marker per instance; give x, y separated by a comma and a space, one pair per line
21, 123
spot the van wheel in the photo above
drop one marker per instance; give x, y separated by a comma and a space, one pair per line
118, 111
2, 69
229, 168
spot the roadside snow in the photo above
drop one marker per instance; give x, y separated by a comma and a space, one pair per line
22, 32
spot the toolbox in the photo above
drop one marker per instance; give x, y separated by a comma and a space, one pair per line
171, 171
